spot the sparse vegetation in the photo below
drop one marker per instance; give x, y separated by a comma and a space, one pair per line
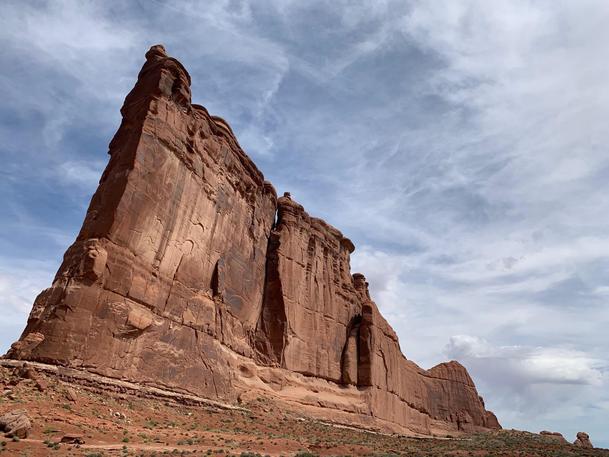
156, 427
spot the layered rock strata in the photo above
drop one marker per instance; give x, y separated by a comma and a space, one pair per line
190, 274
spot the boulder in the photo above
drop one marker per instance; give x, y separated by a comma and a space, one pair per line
26, 372
583, 440
41, 384
70, 395
72, 438
15, 424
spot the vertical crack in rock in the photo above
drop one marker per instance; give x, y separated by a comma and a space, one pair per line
272, 325
365, 345
191, 274
350, 356
217, 279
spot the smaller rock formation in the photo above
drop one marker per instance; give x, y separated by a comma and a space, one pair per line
72, 438
26, 372
583, 441
15, 424
71, 395
29, 373
554, 436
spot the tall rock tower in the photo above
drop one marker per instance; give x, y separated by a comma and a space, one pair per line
190, 274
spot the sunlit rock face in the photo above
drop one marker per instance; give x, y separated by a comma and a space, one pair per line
190, 274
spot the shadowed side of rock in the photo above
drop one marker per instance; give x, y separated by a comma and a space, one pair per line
190, 274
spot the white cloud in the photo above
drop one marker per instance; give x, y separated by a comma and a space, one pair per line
80, 173
537, 388
531, 365
20, 282
18, 286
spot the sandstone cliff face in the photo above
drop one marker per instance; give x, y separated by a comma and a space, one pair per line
189, 273
171, 256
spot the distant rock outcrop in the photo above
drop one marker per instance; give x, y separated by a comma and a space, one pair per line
555, 436
189, 273
583, 440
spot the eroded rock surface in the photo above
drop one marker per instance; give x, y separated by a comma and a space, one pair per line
15, 424
190, 274
554, 436
583, 440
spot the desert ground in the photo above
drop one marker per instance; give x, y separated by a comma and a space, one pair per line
115, 422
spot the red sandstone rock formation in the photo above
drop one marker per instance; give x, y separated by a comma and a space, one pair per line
583, 440
554, 436
190, 274
15, 424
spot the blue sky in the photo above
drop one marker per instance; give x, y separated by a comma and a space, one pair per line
461, 145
